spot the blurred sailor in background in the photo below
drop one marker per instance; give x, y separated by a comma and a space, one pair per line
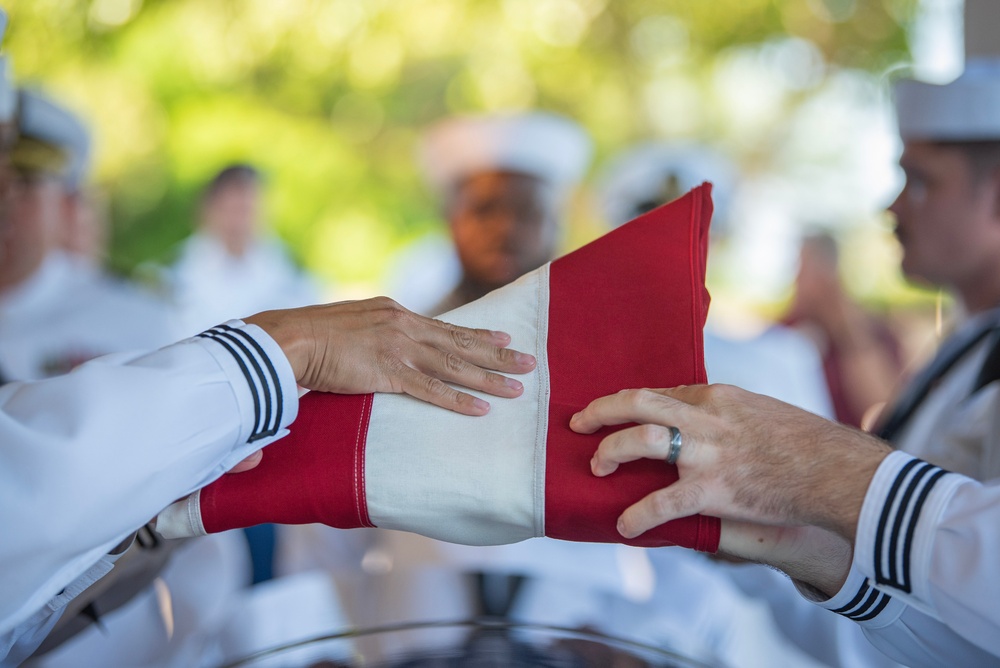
231, 264
778, 361
53, 315
502, 182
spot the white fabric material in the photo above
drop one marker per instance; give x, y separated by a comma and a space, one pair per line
403, 483
549, 147
779, 363
210, 285
146, 428
967, 109
952, 563
954, 428
64, 315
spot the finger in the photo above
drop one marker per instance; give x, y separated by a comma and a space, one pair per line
479, 346
250, 462
451, 368
670, 503
642, 406
435, 391
649, 441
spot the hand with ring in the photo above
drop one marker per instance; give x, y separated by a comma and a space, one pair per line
765, 467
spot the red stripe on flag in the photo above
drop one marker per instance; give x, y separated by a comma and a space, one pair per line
315, 474
626, 311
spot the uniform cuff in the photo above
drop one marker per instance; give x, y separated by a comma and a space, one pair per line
898, 518
858, 601
261, 377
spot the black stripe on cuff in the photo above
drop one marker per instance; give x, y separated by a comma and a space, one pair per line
275, 381
865, 605
898, 523
262, 385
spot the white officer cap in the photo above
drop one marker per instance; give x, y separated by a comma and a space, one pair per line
967, 109
651, 174
41, 120
549, 147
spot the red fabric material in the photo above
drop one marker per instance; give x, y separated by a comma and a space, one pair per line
626, 311
315, 474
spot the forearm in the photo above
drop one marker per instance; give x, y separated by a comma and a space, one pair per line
94, 454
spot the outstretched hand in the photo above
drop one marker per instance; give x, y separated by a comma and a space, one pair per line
745, 457
376, 345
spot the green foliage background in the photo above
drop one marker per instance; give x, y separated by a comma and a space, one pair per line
329, 96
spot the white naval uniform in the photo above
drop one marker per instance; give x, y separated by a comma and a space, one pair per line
66, 314
210, 285
88, 457
928, 539
944, 553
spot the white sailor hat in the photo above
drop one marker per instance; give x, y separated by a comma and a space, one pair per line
549, 147
45, 123
648, 175
967, 109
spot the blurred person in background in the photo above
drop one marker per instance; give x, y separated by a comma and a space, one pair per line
231, 264
778, 362
502, 183
862, 359
54, 314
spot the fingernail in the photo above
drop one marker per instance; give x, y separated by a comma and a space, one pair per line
524, 358
621, 527
513, 384
501, 335
481, 405
593, 465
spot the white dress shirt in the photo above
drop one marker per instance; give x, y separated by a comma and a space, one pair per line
88, 457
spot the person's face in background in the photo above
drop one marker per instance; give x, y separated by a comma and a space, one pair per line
232, 215
84, 230
947, 219
32, 226
504, 224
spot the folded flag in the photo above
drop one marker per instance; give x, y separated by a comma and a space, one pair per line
624, 311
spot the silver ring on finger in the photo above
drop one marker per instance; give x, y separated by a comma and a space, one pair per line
675, 445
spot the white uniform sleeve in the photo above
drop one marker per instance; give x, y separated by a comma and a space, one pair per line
88, 457
928, 540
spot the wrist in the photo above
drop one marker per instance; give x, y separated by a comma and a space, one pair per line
848, 470
289, 336
807, 554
